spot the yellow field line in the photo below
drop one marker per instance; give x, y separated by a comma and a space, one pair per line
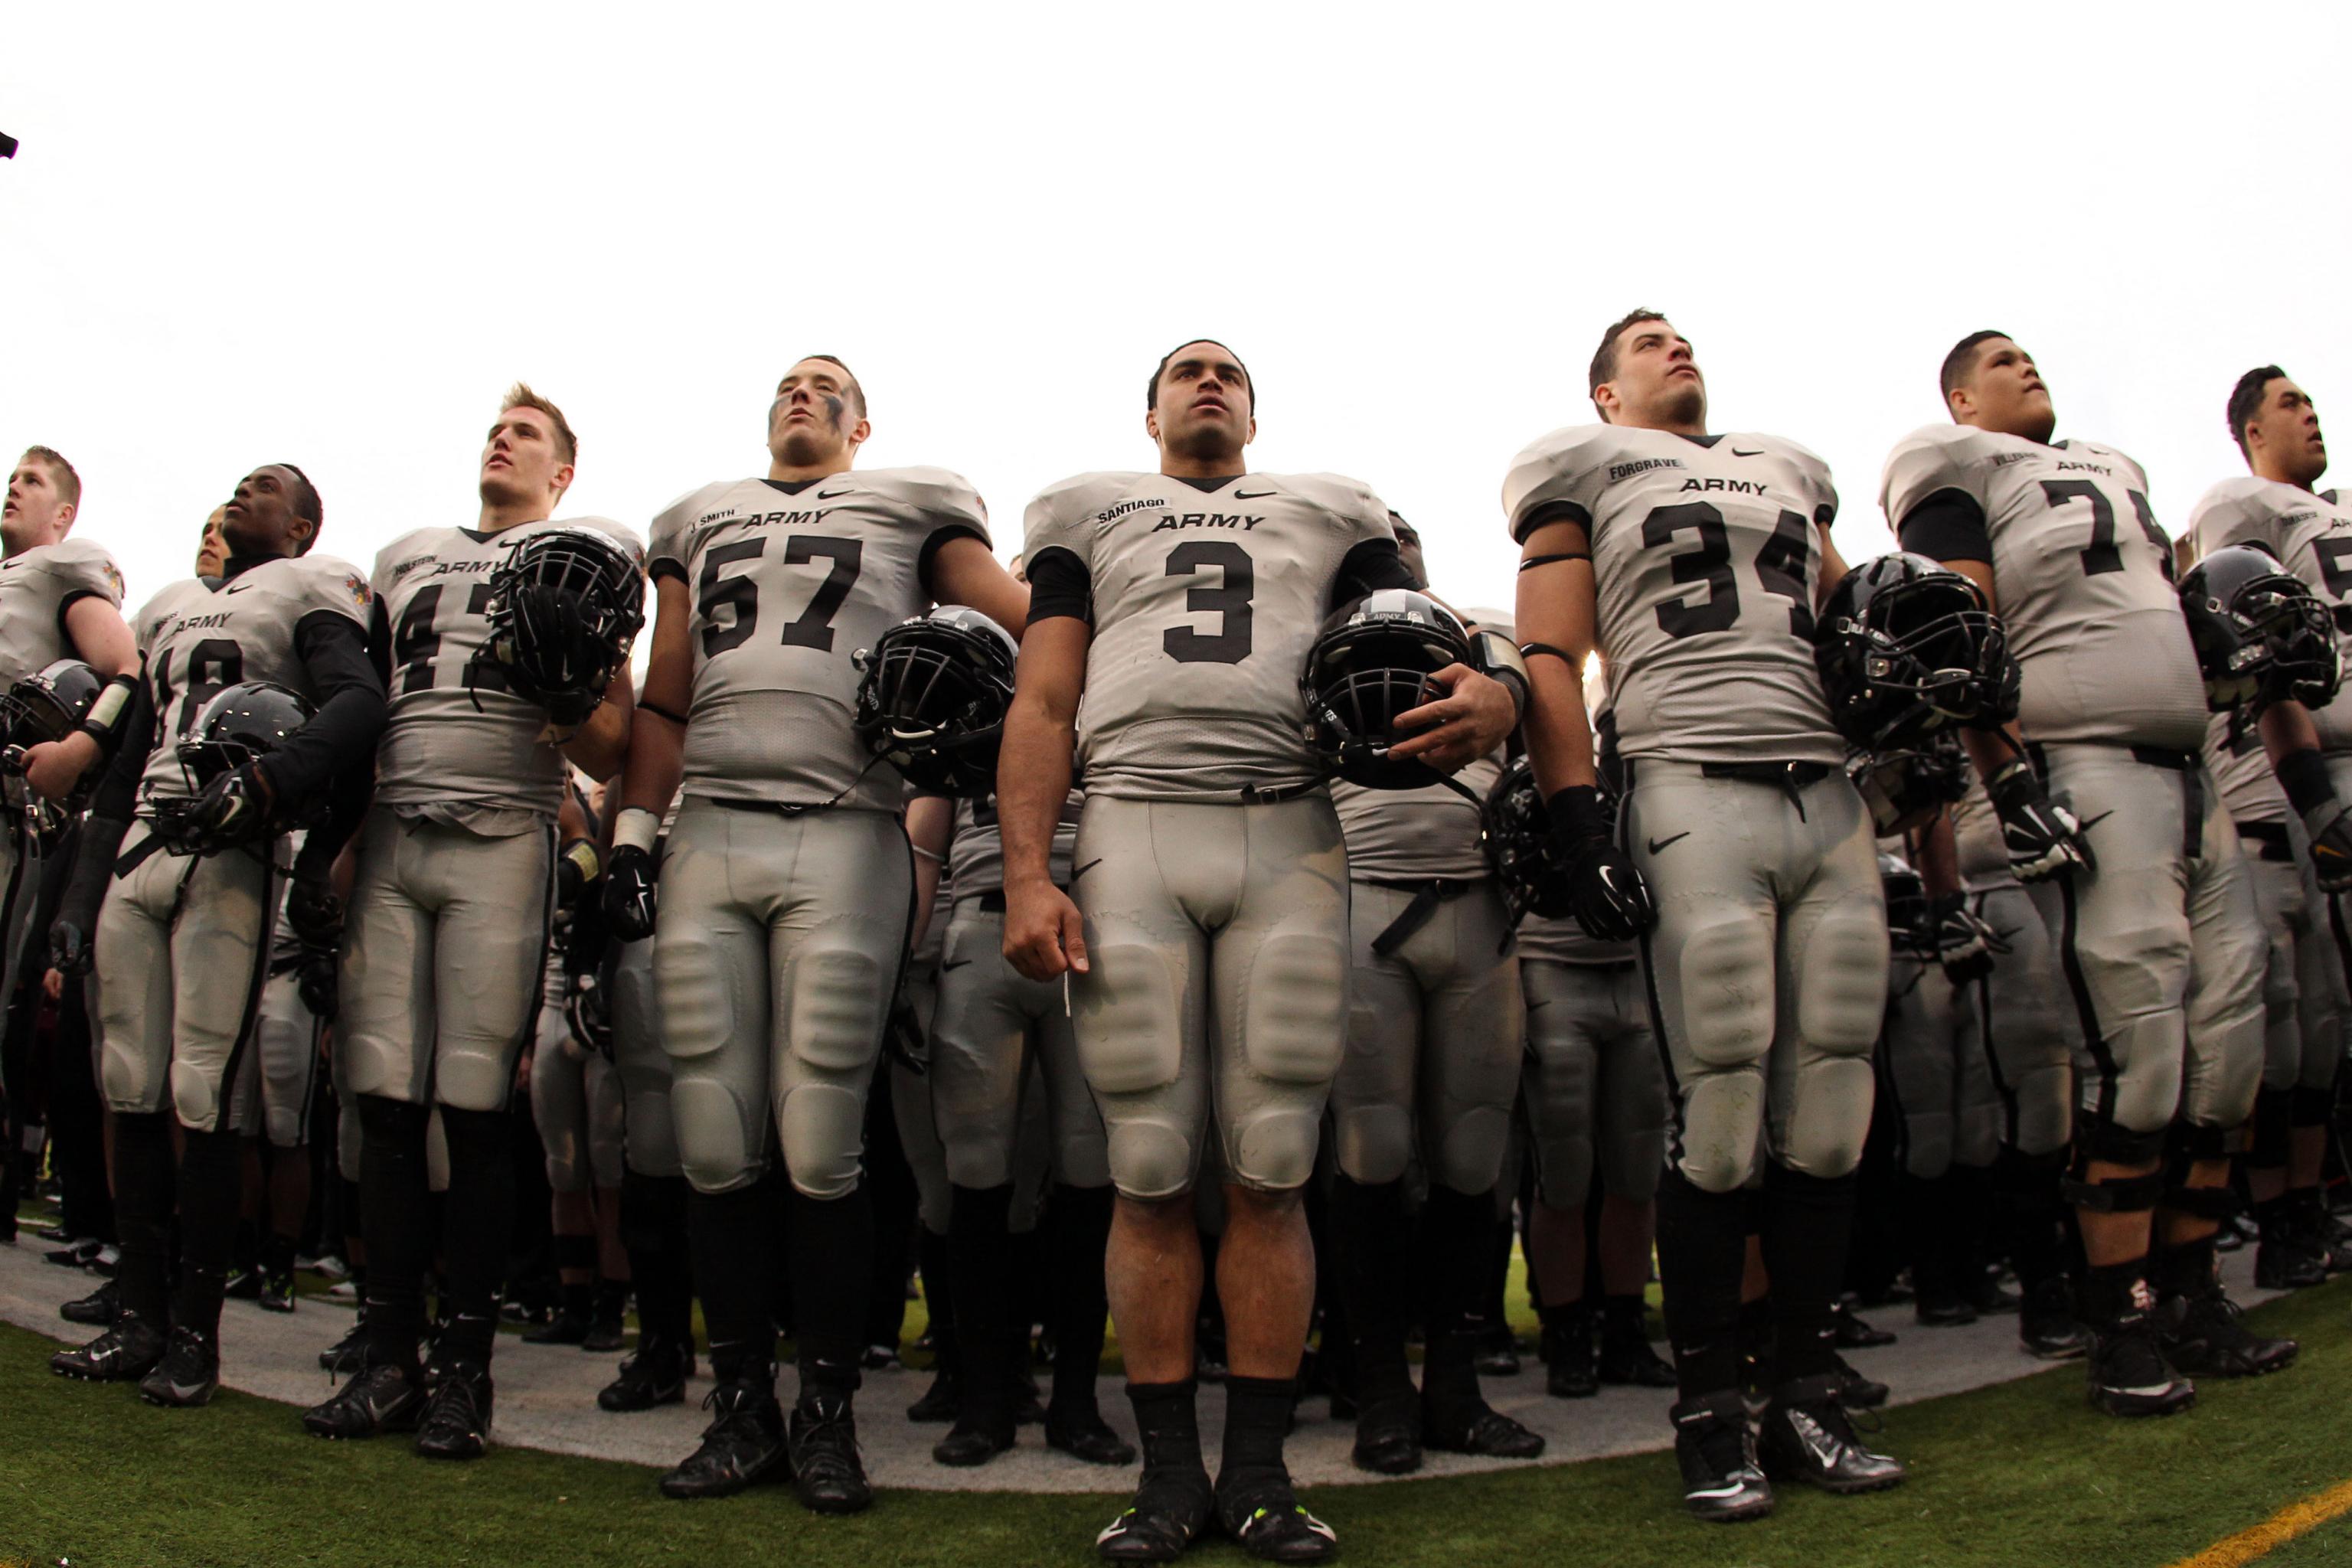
2274, 1531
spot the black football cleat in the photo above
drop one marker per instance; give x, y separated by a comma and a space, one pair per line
97, 1309
2204, 1336
566, 1328
827, 1475
1856, 1391
937, 1405
1170, 1509
969, 1444
188, 1374
1498, 1352
374, 1401
1084, 1435
127, 1350
1479, 1429
2286, 1259
605, 1336
1569, 1369
78, 1252
1989, 1296
278, 1291
1807, 1437
1388, 1437
456, 1421
743, 1445
1722, 1481
2046, 1326
655, 1376
1264, 1517
1626, 1358
1853, 1334
2128, 1375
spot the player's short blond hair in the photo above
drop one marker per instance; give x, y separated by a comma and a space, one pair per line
61, 473
520, 396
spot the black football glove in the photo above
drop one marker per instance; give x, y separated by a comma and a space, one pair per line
232, 809
313, 912
2044, 839
570, 709
588, 1009
319, 982
1965, 945
1605, 891
629, 893
70, 947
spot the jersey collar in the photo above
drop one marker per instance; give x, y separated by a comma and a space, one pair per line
1207, 486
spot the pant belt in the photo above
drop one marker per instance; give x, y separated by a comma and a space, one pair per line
2191, 769
781, 808
1253, 794
2272, 837
1427, 894
1789, 777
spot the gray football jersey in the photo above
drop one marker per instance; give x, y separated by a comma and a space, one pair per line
2312, 534
976, 853
35, 586
2241, 771
202, 636
1705, 562
458, 742
2084, 577
789, 582
1415, 835
1563, 941
1205, 603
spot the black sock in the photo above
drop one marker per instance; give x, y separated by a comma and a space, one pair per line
1702, 1255
2186, 1268
476, 1226
1459, 1229
2030, 1220
278, 1254
938, 1299
980, 1242
211, 1177
143, 1193
1257, 1419
654, 1232
737, 1269
1808, 1222
1368, 1236
2111, 1295
832, 1269
1081, 1302
1627, 1315
1564, 1316
1168, 1427
396, 1220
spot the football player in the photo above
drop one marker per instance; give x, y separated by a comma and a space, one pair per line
2277, 505
1203, 939
785, 891
212, 553
990, 1024
1436, 1025
456, 872
2114, 823
1693, 563
181, 921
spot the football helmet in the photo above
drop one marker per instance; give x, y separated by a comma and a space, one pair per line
1909, 921
1903, 787
1371, 662
1907, 647
562, 614
2261, 632
932, 699
46, 706
242, 724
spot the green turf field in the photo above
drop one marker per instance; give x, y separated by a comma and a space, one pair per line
2019, 1476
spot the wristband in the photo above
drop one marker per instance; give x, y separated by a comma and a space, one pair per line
106, 712
2303, 773
636, 828
582, 853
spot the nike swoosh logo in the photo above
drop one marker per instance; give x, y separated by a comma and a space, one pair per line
236, 587
1738, 453
1086, 868
830, 495
1658, 843
2088, 822
1250, 495
953, 963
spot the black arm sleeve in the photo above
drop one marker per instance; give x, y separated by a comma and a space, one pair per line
1948, 526
342, 734
940, 536
1368, 567
379, 642
117, 796
1060, 584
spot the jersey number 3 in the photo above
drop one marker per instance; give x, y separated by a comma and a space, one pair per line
741, 595
1230, 599
1782, 563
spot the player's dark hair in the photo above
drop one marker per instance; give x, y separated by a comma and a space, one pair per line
61, 473
1151, 393
1604, 358
1961, 363
856, 389
2246, 401
520, 396
304, 499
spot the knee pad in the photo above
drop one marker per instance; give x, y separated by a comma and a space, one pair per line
1564, 1169
1131, 1022
1469, 1155
1720, 1130
1295, 1010
1274, 1151
1842, 990
721, 1142
1151, 1160
823, 1127
839, 996
475, 1077
1726, 984
1374, 1142
199, 1097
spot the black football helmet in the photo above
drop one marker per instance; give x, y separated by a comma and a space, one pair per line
2261, 632
1370, 663
933, 697
1907, 647
564, 612
1909, 922
242, 724
46, 706
1903, 788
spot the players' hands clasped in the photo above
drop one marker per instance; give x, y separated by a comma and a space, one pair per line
1606, 891
2044, 839
1045, 936
1459, 727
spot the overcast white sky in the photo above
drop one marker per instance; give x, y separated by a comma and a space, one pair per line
332, 235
